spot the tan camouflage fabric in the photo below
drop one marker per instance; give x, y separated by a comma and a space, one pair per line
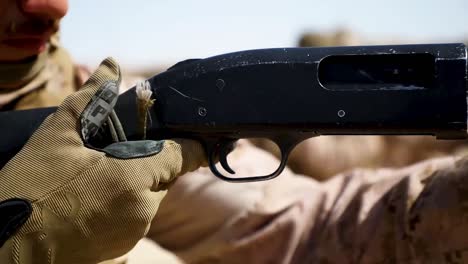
325, 156
415, 214
338, 37
52, 78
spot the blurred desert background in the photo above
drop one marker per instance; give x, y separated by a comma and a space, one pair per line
147, 36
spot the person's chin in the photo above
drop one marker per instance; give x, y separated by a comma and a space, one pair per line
35, 45
12, 54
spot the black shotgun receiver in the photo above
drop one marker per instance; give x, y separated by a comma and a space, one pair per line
291, 94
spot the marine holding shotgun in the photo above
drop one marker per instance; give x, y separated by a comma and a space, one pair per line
86, 186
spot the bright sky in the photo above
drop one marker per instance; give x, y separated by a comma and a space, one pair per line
141, 33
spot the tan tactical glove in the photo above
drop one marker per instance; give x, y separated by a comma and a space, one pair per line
62, 202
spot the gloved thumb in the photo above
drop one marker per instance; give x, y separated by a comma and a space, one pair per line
82, 113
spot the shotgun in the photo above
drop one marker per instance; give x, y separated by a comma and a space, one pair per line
290, 94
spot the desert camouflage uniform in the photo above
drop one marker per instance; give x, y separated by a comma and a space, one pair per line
414, 215
44, 81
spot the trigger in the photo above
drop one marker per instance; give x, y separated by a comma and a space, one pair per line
224, 151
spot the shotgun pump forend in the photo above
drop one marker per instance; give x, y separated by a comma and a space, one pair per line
291, 94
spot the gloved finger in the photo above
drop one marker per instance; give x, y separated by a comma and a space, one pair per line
164, 159
93, 103
193, 154
172, 159
59, 138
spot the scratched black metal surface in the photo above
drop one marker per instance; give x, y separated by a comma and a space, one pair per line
280, 88
291, 94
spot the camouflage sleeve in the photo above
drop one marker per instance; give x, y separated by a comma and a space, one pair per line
414, 214
323, 157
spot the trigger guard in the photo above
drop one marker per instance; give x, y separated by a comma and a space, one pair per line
214, 170
286, 145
